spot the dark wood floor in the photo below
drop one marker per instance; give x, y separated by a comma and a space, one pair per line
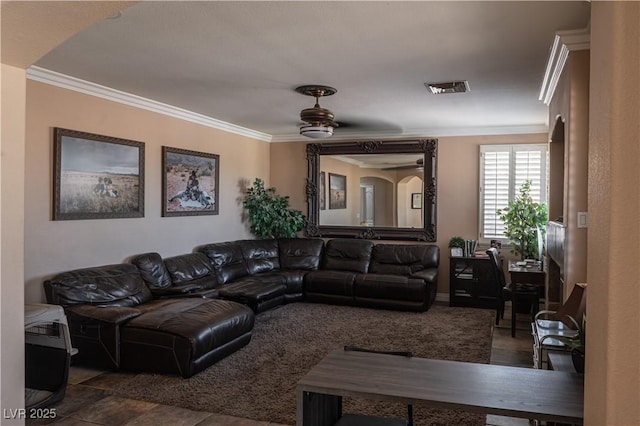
88, 403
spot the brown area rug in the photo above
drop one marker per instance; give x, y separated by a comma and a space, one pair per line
258, 382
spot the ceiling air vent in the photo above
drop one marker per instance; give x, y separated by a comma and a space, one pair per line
450, 87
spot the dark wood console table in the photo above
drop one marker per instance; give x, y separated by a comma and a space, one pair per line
532, 274
490, 389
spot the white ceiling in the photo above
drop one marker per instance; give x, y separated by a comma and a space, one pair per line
239, 62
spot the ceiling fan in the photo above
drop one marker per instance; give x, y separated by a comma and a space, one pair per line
318, 121
419, 165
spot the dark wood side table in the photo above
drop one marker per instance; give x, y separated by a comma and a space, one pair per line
471, 282
524, 275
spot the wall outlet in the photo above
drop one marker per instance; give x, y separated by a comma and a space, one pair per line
583, 220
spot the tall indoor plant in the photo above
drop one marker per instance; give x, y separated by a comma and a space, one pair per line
524, 220
270, 214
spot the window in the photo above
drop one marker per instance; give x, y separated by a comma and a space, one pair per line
503, 169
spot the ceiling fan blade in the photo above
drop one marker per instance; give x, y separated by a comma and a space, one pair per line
367, 125
418, 165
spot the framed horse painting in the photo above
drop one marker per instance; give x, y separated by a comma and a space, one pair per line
190, 182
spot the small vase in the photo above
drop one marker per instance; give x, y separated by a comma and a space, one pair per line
578, 360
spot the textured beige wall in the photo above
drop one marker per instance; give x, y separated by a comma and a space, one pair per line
458, 168
12, 242
289, 172
612, 380
571, 103
29, 30
55, 246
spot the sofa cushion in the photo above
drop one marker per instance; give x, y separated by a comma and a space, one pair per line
258, 295
110, 285
329, 282
152, 270
267, 277
396, 287
227, 260
260, 255
300, 253
251, 290
402, 259
189, 268
390, 268
343, 254
293, 279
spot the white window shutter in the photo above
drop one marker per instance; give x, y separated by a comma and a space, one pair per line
503, 169
495, 185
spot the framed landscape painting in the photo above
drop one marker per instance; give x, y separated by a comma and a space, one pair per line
96, 176
190, 182
337, 191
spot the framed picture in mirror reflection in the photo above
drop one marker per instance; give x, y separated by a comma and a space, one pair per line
337, 191
416, 200
322, 189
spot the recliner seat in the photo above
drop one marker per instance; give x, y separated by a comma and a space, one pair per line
263, 273
390, 276
188, 275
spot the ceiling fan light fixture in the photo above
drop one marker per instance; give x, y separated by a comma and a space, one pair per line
316, 131
319, 120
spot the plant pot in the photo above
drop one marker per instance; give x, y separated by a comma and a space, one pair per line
578, 360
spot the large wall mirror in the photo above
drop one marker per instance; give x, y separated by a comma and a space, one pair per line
373, 189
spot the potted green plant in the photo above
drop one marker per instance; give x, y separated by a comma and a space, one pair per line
524, 220
577, 343
456, 244
270, 214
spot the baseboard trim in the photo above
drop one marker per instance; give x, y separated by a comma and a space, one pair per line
442, 297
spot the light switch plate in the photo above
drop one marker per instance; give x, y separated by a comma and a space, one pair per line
583, 220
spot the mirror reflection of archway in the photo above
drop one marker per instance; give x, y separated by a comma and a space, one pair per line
376, 202
409, 217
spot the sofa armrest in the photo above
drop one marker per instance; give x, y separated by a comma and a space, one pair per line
429, 275
108, 315
177, 290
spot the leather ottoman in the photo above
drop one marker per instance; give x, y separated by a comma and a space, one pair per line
184, 336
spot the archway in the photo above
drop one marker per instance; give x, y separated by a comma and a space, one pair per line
410, 190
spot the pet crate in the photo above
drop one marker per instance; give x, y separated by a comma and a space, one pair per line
48, 353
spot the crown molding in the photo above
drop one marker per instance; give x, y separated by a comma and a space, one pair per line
563, 43
64, 81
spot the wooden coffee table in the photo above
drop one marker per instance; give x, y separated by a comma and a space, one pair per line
490, 389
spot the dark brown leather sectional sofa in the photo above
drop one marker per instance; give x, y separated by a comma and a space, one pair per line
183, 313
